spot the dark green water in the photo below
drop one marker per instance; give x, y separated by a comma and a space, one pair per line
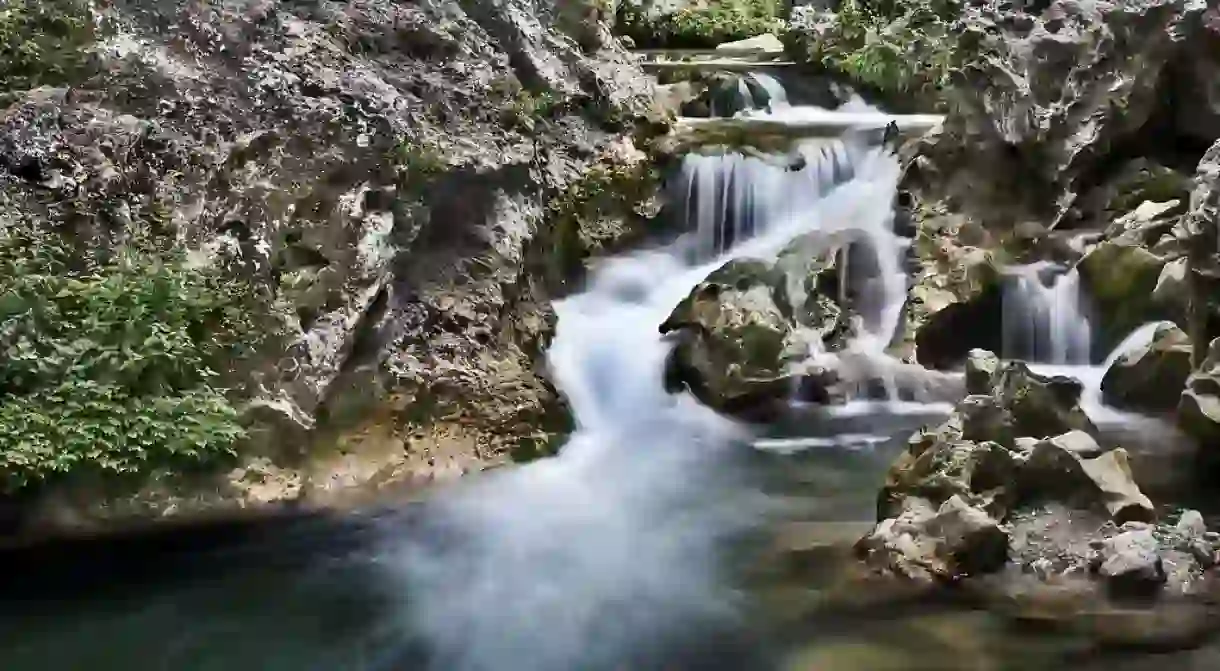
319, 594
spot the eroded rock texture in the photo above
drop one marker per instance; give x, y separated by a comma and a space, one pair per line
388, 173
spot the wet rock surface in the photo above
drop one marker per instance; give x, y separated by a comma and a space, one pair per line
1149, 377
1033, 82
740, 334
1036, 523
386, 172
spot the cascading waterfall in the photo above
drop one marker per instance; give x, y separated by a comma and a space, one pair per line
755, 92
586, 559
731, 197
777, 97
1045, 319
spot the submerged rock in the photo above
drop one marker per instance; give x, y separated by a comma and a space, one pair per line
1150, 378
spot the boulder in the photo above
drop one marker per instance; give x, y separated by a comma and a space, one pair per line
761, 45
1121, 278
1131, 561
1047, 94
957, 305
1199, 405
981, 367
1067, 469
733, 352
1018, 444
738, 339
1040, 406
1150, 377
945, 543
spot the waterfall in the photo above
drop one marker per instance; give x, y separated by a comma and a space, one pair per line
777, 97
1045, 319
730, 197
594, 557
568, 562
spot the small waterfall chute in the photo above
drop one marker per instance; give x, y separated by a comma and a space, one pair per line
1046, 319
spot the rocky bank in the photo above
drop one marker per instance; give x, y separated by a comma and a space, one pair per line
404, 187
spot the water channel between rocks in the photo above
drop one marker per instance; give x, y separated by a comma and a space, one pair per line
662, 536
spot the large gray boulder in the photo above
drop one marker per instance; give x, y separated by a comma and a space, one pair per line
1047, 92
1199, 406
736, 340
1150, 377
389, 174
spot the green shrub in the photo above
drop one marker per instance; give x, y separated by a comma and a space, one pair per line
891, 47
42, 42
112, 367
721, 21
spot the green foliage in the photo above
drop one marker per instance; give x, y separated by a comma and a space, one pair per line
417, 163
42, 42
700, 27
527, 108
892, 47
112, 366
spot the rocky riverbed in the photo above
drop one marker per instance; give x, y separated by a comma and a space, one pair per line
261, 255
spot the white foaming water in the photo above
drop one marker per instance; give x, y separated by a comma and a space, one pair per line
777, 97
1045, 320
732, 197
1091, 377
584, 560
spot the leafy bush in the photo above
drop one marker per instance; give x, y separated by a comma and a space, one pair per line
700, 27
892, 47
41, 42
112, 366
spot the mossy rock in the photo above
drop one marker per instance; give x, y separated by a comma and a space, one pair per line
735, 339
1120, 280
1150, 378
1143, 180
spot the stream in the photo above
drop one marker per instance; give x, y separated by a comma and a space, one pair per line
661, 537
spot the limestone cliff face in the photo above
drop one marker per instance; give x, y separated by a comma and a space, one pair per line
385, 172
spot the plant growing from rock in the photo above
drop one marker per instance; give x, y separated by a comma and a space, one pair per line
113, 363
700, 26
605, 191
895, 48
42, 43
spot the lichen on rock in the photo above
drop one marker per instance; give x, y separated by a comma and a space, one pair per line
381, 172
